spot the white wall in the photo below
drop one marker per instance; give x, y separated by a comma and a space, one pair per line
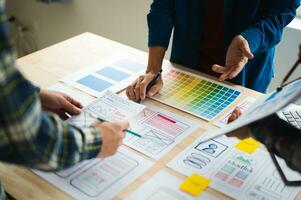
120, 20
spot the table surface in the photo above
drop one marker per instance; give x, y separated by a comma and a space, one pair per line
47, 66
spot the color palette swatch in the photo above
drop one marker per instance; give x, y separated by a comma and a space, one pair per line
111, 75
196, 95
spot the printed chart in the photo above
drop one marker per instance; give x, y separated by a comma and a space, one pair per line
164, 186
233, 172
99, 178
196, 95
160, 130
111, 75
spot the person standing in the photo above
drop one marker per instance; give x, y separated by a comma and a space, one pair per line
231, 40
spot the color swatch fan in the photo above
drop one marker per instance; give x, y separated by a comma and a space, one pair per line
196, 95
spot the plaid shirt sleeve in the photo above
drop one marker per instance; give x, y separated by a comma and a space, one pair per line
29, 136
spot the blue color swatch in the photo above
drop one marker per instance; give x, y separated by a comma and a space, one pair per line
95, 83
113, 74
130, 65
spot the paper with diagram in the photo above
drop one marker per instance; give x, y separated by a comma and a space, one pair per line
160, 130
164, 186
99, 178
233, 172
111, 74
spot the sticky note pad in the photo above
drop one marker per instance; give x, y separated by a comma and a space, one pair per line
195, 184
248, 145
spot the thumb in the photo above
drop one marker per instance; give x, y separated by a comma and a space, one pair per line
247, 51
123, 125
70, 108
155, 89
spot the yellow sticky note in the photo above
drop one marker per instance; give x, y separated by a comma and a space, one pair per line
248, 145
195, 184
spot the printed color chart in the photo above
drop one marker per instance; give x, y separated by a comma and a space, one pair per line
196, 95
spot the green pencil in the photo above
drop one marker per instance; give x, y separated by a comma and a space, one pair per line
126, 130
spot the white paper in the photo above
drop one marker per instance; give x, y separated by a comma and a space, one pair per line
132, 69
99, 178
84, 99
164, 186
233, 172
243, 106
160, 130
265, 106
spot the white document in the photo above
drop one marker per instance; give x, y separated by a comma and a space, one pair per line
99, 178
60, 87
113, 74
265, 106
233, 172
160, 130
164, 186
243, 106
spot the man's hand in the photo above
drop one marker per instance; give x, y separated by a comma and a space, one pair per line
234, 115
112, 136
137, 90
237, 57
59, 103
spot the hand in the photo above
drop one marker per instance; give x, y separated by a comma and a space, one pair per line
237, 57
112, 136
234, 115
59, 103
137, 90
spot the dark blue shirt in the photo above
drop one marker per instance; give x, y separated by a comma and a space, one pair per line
260, 22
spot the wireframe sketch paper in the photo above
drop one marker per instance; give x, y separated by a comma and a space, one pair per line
233, 172
160, 130
164, 186
99, 178
111, 74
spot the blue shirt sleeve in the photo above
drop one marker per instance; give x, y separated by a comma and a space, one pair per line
160, 22
267, 30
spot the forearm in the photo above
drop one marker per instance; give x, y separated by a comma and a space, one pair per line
155, 59
36, 139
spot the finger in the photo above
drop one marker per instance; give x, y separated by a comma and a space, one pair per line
62, 114
155, 89
137, 92
130, 92
232, 117
219, 69
143, 86
123, 125
74, 102
246, 50
235, 70
225, 75
70, 108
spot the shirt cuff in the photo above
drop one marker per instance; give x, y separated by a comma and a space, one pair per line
92, 143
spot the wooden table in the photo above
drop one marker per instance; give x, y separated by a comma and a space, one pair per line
47, 67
